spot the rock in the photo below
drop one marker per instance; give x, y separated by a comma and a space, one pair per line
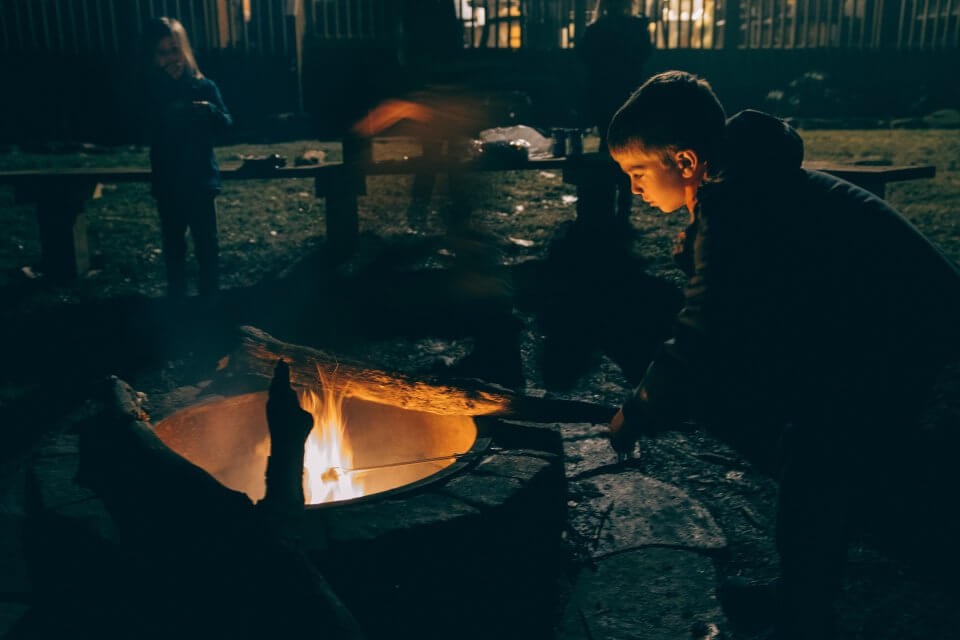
908, 123
483, 492
14, 571
620, 511
521, 467
11, 613
485, 539
60, 445
943, 119
58, 498
652, 594
71, 520
586, 448
410, 516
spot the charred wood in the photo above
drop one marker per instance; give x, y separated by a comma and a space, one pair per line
197, 551
313, 368
289, 427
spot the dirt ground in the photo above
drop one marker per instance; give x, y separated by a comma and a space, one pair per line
271, 227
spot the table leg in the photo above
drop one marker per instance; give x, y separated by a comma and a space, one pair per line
343, 222
63, 236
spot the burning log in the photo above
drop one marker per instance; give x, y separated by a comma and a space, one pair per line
289, 427
200, 552
260, 351
147, 485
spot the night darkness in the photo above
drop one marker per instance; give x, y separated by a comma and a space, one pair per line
568, 319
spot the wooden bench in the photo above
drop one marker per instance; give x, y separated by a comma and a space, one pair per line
60, 195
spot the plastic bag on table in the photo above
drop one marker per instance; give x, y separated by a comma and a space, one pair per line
537, 146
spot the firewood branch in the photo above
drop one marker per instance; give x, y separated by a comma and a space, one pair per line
260, 351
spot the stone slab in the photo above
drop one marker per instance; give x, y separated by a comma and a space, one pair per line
482, 491
586, 455
620, 511
11, 613
58, 445
14, 571
571, 431
653, 594
524, 468
52, 480
409, 515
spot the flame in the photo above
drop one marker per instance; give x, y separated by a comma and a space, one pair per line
328, 456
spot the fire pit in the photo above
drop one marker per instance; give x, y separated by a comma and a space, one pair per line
437, 499
357, 449
454, 512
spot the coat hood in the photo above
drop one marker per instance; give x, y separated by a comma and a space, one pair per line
758, 143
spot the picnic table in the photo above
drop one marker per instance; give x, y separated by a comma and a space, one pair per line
60, 195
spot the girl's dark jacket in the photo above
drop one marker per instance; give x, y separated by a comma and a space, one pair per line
804, 291
182, 135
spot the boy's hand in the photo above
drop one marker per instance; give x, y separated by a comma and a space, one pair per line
623, 434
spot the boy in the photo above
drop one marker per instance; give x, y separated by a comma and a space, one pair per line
810, 303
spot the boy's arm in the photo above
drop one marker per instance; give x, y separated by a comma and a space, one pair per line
721, 299
660, 401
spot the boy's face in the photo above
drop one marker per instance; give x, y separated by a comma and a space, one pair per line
662, 184
168, 56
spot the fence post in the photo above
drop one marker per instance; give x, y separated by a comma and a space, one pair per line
890, 23
731, 24
579, 20
299, 30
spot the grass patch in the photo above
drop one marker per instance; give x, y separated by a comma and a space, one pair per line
266, 225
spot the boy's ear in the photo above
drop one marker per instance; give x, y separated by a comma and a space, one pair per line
687, 162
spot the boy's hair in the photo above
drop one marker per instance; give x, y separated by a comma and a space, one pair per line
672, 110
159, 28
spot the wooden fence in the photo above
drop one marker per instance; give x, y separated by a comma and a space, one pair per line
276, 27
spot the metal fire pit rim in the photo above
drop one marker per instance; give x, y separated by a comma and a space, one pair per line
481, 444
468, 459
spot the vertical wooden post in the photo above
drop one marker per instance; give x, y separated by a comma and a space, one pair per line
63, 228
731, 29
341, 188
579, 20
299, 30
342, 218
891, 24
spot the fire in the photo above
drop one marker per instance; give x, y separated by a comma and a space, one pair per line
328, 457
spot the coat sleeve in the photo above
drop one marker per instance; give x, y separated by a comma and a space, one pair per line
724, 325
221, 114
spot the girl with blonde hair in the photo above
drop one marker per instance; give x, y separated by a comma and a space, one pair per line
186, 113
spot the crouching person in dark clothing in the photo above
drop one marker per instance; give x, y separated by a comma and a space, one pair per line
810, 305
186, 113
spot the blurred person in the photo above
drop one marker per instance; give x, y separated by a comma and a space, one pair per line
478, 288
615, 47
432, 37
185, 114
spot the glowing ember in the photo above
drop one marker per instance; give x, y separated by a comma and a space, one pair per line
328, 456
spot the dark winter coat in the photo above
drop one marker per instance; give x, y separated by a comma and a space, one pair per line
182, 135
805, 292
